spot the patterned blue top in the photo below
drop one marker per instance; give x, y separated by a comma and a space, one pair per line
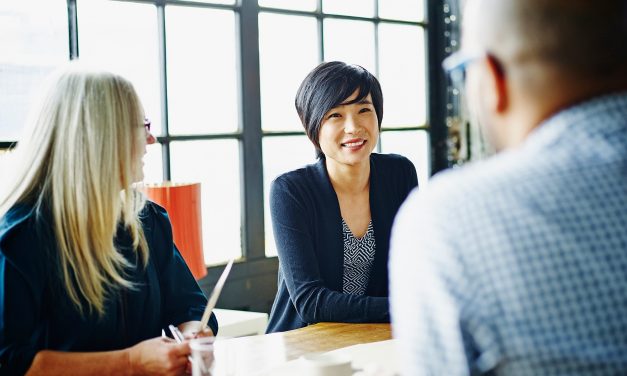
518, 265
358, 259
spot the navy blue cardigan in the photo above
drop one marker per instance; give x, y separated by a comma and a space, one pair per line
37, 314
308, 232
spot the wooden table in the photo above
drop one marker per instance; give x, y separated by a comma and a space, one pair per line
254, 354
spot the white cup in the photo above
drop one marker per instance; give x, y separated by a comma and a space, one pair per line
325, 365
202, 355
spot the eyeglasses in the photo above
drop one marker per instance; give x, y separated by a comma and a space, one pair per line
147, 124
456, 64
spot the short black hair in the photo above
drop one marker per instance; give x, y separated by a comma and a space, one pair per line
327, 86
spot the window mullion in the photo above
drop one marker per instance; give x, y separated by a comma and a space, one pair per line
251, 157
163, 79
72, 28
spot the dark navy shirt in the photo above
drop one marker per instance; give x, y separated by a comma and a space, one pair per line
308, 233
36, 313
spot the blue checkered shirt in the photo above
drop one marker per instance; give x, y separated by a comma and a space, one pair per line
518, 265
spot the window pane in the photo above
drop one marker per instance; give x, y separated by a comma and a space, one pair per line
406, 10
306, 5
362, 8
280, 155
153, 164
350, 41
202, 80
402, 74
412, 144
215, 164
122, 36
227, 2
284, 63
34, 40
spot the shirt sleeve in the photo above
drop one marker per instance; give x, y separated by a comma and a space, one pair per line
428, 309
412, 176
19, 309
182, 298
313, 301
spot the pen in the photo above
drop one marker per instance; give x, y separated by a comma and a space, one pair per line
176, 333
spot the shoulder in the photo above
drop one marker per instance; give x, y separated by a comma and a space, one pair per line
300, 179
155, 217
152, 209
393, 173
464, 194
26, 238
305, 173
391, 164
391, 160
24, 224
13, 220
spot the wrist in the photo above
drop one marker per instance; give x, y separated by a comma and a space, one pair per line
129, 361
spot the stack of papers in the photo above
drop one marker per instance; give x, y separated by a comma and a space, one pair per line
376, 358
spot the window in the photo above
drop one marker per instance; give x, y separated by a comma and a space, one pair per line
194, 110
27, 57
218, 78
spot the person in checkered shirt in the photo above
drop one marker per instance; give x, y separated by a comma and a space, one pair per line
517, 265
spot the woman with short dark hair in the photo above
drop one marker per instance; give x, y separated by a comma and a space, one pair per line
332, 219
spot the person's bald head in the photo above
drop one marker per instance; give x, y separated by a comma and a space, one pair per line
582, 37
540, 56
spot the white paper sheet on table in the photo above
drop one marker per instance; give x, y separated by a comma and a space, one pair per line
378, 358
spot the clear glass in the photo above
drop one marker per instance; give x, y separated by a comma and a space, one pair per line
280, 155
153, 164
404, 10
412, 144
202, 79
215, 164
402, 74
34, 40
350, 41
288, 51
203, 356
305, 5
360, 8
122, 36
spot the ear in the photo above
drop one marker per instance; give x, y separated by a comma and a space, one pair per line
499, 85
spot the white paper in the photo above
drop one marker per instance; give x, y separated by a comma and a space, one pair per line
375, 358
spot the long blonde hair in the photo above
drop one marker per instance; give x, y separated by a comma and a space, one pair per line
77, 159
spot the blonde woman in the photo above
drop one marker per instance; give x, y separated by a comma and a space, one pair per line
89, 274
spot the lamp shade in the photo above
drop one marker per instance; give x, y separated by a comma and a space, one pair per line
182, 201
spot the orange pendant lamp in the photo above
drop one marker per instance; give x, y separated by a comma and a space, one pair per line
182, 201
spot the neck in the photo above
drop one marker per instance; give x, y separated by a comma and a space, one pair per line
349, 179
544, 101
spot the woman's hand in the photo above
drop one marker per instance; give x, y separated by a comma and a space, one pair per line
159, 356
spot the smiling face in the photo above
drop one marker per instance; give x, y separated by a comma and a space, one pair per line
349, 132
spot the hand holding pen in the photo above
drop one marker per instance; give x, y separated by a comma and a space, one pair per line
179, 337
